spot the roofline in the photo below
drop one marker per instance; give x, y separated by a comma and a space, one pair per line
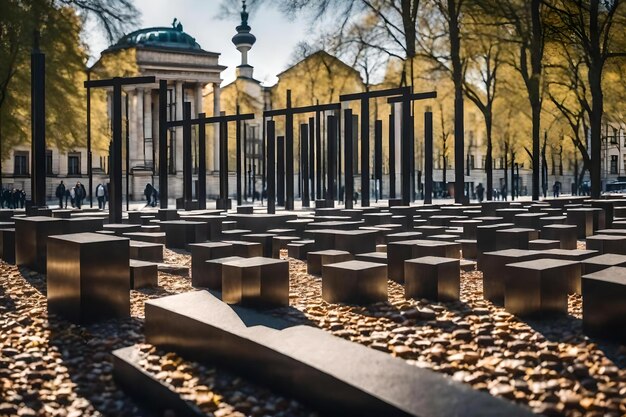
187, 51
310, 55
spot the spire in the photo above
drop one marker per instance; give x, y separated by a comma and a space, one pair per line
244, 14
243, 41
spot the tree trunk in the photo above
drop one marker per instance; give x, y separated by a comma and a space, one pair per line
457, 78
536, 55
596, 62
445, 180
506, 178
489, 157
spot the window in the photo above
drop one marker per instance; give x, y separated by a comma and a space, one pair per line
21, 163
73, 163
471, 162
49, 162
613, 164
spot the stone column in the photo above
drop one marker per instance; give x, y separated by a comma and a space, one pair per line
139, 138
133, 132
199, 108
215, 148
147, 124
178, 156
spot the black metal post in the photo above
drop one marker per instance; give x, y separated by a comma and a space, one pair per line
459, 152
318, 155
263, 159
338, 159
38, 125
412, 158
115, 167
392, 155
202, 162
280, 170
247, 172
348, 160
187, 158
163, 197
406, 155
238, 158
512, 176
223, 164
271, 166
311, 145
365, 152
289, 153
428, 160
89, 153
378, 157
304, 157
127, 146
331, 126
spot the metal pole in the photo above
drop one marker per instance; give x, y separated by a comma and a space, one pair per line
246, 168
127, 155
89, 153
280, 170
331, 126
271, 164
115, 167
187, 158
348, 159
163, 143
38, 121
392, 154
365, 152
378, 158
304, 157
428, 160
406, 156
312, 156
318, 155
459, 151
289, 153
224, 164
202, 162
238, 158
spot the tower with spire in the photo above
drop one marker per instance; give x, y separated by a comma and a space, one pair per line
243, 41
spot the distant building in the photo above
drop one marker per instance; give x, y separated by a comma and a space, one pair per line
194, 75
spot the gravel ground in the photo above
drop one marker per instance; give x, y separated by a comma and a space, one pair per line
51, 367
546, 364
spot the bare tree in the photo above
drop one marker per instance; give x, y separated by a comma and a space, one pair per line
524, 21
440, 42
481, 79
594, 29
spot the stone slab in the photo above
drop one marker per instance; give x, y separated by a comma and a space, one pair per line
333, 375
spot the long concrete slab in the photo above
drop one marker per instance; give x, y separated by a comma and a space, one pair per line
331, 374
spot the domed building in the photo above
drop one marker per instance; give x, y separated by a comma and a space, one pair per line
167, 53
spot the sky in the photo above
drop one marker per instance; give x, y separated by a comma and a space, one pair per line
276, 35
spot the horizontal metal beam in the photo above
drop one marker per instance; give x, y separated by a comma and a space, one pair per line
213, 119
305, 109
110, 82
375, 93
413, 97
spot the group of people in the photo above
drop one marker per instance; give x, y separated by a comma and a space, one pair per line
151, 194
496, 194
77, 194
12, 198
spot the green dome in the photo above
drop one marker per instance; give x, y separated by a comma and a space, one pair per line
159, 37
